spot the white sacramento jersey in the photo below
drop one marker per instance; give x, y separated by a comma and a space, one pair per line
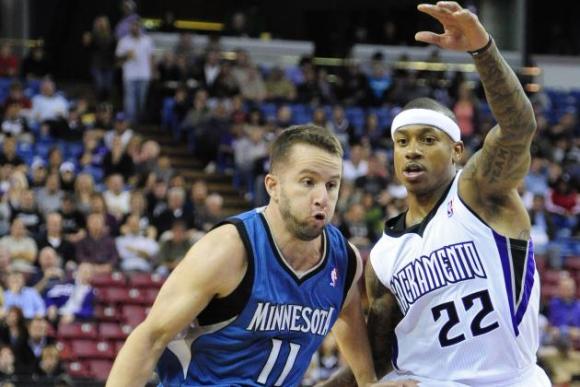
469, 298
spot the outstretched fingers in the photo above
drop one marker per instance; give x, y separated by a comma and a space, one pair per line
444, 15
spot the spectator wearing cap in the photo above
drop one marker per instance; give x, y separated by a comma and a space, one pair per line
49, 198
38, 173
48, 105
135, 51
54, 238
19, 244
67, 176
120, 129
97, 247
136, 250
26, 298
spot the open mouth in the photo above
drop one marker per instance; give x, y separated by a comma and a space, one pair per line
413, 171
320, 216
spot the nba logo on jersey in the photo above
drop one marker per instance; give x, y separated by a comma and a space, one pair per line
450, 208
333, 277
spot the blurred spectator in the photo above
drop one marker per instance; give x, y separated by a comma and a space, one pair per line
49, 198
341, 126
536, 181
35, 65
197, 114
562, 362
138, 208
374, 136
55, 159
278, 88
21, 247
379, 80
355, 166
564, 310
209, 135
28, 213
135, 51
55, 239
175, 211
116, 197
543, 225
9, 62
84, 190
25, 298
50, 369
99, 205
247, 151
93, 153
48, 105
9, 155
73, 220
238, 25
14, 124
376, 178
185, 47
212, 213
353, 87
210, 69
104, 116
8, 366
120, 129
101, 44
49, 272
136, 250
97, 247
174, 248
123, 27
197, 197
226, 85
38, 338
355, 227
38, 173
67, 176
13, 327
117, 161
466, 110
74, 300
156, 198
16, 96
253, 88
242, 66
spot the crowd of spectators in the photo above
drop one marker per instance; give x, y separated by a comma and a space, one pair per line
83, 194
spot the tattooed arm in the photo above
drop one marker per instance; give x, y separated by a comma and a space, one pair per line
489, 180
384, 315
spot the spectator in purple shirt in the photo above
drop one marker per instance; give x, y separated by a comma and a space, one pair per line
97, 247
564, 310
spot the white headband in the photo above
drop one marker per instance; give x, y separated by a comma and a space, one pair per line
426, 117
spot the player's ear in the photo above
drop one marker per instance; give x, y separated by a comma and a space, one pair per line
457, 151
271, 184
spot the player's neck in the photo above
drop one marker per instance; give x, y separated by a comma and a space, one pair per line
420, 205
299, 254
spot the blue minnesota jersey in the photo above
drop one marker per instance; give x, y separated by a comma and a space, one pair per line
267, 330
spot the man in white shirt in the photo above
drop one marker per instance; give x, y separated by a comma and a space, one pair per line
48, 105
136, 250
136, 52
116, 197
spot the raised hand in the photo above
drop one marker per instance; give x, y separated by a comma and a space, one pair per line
463, 31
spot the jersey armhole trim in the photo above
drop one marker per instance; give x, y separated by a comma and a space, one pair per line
230, 306
350, 271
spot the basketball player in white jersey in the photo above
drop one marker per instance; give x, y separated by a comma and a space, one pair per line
453, 285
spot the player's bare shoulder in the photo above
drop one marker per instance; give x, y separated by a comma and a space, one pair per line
222, 249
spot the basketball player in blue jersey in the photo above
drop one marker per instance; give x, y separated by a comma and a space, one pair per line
453, 284
252, 301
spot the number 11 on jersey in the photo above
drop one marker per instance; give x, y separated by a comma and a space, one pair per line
276, 345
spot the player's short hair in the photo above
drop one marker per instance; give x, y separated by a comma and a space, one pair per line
431, 104
302, 134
